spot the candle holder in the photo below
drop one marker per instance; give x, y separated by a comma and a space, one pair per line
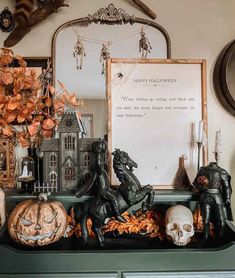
199, 147
217, 156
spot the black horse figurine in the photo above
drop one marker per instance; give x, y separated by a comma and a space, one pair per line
128, 194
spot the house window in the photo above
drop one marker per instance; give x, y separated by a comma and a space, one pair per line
69, 142
87, 159
69, 174
53, 179
53, 160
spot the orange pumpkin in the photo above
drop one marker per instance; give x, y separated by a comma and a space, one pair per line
37, 222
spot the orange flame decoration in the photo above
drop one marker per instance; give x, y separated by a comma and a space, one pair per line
151, 224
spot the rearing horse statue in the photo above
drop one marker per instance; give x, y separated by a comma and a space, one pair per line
129, 193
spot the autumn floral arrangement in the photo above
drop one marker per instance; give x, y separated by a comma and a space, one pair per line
29, 110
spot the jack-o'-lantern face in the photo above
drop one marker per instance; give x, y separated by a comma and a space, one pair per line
202, 180
37, 223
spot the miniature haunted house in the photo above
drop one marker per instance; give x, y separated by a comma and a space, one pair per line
67, 160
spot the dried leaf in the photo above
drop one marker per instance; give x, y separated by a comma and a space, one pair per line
12, 105
18, 57
48, 124
22, 139
39, 118
51, 89
18, 97
62, 86
2, 98
7, 51
47, 133
7, 130
9, 117
58, 105
73, 100
25, 112
7, 78
48, 102
20, 118
6, 59
22, 63
36, 85
33, 128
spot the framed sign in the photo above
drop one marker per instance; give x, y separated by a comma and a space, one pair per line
154, 111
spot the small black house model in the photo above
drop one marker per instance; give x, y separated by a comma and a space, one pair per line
67, 160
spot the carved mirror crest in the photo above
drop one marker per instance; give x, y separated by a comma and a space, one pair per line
112, 27
7, 162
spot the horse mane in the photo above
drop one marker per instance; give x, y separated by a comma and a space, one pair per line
117, 167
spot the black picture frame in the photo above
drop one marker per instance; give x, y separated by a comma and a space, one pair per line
34, 62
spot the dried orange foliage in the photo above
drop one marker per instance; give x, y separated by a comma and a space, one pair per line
151, 224
21, 102
144, 223
75, 228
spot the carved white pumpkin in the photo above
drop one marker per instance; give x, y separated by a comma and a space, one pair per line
37, 222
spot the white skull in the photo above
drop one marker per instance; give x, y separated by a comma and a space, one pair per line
179, 224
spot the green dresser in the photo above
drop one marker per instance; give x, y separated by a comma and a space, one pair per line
122, 257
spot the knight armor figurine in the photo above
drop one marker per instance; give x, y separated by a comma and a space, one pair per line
213, 183
104, 190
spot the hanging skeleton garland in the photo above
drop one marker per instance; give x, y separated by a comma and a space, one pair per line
144, 45
104, 55
79, 53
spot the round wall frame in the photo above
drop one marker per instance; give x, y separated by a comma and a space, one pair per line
223, 77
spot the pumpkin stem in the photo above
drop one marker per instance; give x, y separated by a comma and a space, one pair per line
44, 196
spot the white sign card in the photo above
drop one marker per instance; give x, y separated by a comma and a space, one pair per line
154, 110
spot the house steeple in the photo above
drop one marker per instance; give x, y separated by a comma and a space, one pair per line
69, 123
69, 133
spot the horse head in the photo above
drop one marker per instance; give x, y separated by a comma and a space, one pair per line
122, 158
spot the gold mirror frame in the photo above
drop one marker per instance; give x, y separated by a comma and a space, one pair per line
7, 162
109, 16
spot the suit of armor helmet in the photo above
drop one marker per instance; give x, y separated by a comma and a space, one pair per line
213, 183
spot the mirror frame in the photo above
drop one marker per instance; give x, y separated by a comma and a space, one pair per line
222, 70
109, 16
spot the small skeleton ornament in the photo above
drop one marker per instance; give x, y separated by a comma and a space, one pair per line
46, 78
144, 45
179, 224
104, 55
79, 53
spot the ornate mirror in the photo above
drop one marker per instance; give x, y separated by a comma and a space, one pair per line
120, 32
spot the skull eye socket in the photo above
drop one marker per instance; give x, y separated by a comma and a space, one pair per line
173, 227
49, 219
25, 221
187, 227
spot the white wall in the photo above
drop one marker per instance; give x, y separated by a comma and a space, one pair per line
198, 29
